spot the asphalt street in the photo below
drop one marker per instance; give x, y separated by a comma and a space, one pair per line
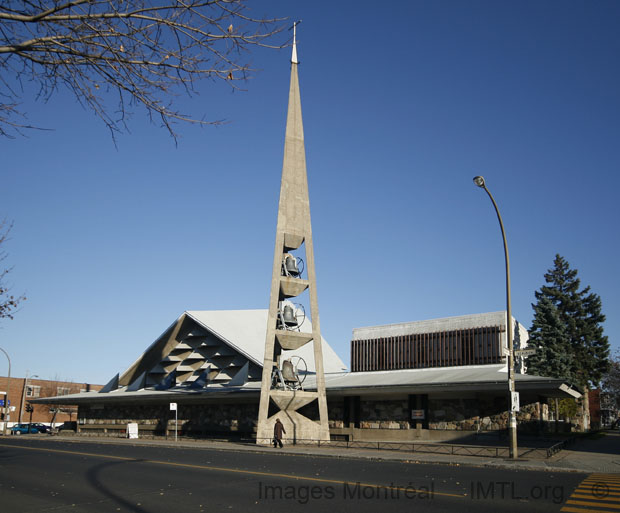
39, 475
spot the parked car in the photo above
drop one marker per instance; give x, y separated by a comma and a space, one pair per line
22, 429
42, 428
68, 426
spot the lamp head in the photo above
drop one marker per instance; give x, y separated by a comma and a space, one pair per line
479, 181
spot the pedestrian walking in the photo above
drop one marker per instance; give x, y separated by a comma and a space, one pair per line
278, 429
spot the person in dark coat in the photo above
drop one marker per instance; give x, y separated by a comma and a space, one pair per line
278, 429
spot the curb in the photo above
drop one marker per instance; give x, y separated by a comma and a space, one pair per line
403, 458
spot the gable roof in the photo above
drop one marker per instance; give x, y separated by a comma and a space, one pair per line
245, 331
212, 345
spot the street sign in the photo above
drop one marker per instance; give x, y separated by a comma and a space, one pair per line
514, 396
2, 402
525, 352
173, 407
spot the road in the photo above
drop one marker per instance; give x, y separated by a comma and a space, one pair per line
40, 475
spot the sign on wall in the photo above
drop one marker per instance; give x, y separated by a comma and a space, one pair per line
132, 430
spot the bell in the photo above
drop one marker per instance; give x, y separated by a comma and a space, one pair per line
288, 371
291, 266
288, 316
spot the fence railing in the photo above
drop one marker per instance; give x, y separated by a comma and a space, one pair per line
555, 448
493, 451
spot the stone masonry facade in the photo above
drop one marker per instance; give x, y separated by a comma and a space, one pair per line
465, 414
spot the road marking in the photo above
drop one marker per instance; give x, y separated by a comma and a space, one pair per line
588, 490
591, 497
597, 493
592, 503
582, 510
231, 470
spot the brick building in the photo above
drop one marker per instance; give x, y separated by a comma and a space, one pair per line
23, 390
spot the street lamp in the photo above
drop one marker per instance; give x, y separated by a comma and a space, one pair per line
512, 419
21, 406
6, 393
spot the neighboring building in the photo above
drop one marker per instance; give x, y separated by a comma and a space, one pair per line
22, 391
453, 341
594, 403
210, 364
609, 409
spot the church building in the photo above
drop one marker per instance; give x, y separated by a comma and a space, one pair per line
229, 373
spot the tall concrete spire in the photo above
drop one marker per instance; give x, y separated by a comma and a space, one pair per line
293, 240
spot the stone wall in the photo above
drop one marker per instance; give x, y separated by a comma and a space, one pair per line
335, 414
481, 414
385, 414
373, 414
192, 418
464, 414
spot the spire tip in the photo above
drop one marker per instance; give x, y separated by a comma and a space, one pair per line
294, 56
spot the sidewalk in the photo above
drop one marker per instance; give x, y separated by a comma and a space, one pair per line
588, 455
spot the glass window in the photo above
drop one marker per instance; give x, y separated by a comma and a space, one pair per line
33, 391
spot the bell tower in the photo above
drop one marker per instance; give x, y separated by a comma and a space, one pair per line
282, 393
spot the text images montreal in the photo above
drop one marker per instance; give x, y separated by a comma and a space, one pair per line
346, 491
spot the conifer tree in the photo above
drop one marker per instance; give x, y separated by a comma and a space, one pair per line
567, 329
549, 336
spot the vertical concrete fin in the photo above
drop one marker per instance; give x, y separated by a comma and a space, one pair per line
241, 378
110, 386
201, 380
138, 384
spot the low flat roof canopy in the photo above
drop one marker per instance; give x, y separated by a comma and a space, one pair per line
480, 378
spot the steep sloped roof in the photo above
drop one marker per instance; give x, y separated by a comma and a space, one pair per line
245, 331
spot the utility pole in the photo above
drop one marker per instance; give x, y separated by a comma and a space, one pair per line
6, 393
513, 396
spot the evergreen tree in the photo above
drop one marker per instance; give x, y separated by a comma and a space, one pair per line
550, 337
567, 329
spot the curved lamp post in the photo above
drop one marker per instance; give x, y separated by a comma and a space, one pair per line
6, 394
512, 419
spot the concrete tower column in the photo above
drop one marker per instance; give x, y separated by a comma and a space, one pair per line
293, 232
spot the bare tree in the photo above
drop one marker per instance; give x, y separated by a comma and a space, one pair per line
8, 302
139, 52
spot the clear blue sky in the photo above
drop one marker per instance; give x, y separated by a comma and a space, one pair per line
403, 103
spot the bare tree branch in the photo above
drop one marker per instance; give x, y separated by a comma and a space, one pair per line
147, 51
8, 302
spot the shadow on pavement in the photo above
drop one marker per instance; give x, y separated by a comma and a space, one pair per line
93, 477
604, 442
